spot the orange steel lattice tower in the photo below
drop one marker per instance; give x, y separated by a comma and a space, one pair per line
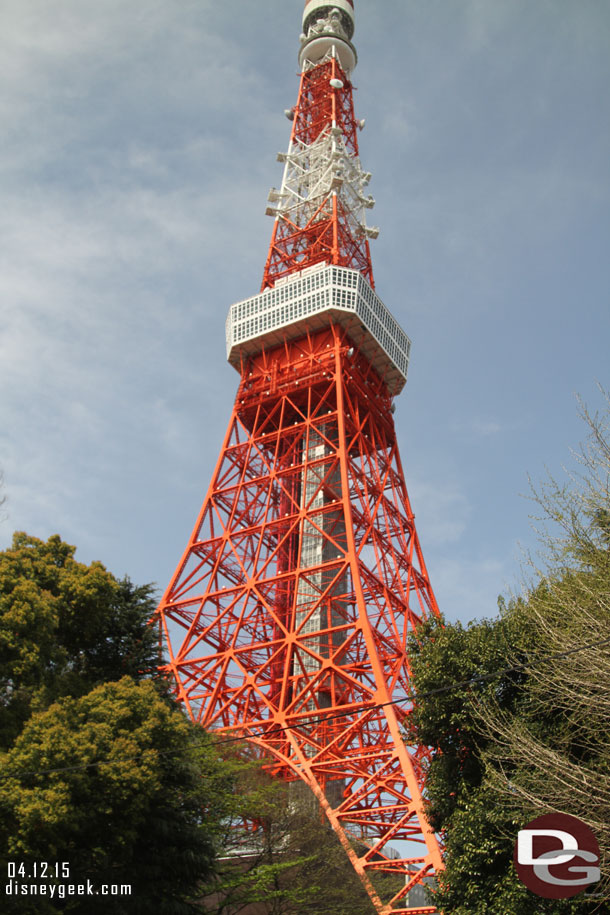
287, 619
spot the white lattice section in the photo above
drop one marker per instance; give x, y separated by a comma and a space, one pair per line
312, 174
311, 299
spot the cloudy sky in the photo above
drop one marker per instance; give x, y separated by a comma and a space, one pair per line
138, 145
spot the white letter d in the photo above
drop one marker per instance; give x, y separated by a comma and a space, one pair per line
525, 845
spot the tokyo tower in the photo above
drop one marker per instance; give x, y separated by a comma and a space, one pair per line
287, 619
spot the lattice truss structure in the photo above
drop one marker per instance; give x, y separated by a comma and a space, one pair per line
297, 592
287, 620
320, 209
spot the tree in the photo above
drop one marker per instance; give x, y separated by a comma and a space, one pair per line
518, 717
118, 784
100, 768
566, 769
64, 628
288, 861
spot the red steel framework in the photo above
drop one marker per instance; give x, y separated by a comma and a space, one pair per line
286, 622
324, 234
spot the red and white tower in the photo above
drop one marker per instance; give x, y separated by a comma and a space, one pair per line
287, 619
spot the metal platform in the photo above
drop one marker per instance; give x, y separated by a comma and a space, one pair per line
310, 300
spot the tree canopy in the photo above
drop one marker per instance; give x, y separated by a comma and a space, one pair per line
290, 861
100, 767
117, 783
517, 706
65, 627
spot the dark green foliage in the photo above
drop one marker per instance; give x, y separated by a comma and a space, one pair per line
479, 824
64, 628
136, 817
441, 657
100, 767
533, 739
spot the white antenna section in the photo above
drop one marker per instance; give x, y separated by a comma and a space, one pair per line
313, 173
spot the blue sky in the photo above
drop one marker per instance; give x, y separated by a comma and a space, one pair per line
139, 143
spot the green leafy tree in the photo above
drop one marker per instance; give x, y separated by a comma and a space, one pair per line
121, 786
99, 767
479, 823
253, 863
519, 718
288, 861
64, 628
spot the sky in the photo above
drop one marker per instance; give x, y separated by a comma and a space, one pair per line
139, 144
